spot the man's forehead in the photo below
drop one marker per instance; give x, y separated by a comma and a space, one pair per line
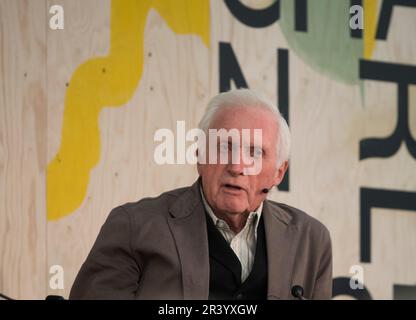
245, 137
244, 118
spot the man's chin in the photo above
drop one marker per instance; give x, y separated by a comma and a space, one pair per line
233, 206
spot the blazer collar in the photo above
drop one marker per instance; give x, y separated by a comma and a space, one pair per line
188, 226
189, 202
281, 239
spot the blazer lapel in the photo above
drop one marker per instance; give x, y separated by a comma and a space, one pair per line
188, 226
281, 239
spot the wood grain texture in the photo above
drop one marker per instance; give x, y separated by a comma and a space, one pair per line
22, 148
327, 118
173, 87
85, 36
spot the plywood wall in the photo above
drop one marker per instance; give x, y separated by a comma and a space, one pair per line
79, 108
23, 144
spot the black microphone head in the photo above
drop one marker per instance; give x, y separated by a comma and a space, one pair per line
54, 297
4, 297
297, 291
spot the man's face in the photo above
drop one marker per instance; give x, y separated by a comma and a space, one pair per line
226, 187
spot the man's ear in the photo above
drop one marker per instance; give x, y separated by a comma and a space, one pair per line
280, 173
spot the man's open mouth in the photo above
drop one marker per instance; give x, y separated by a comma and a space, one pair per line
233, 187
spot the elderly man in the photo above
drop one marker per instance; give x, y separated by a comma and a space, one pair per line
219, 238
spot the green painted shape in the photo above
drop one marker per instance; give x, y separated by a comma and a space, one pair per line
327, 46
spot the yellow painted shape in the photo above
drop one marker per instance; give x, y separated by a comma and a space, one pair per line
370, 23
186, 16
109, 82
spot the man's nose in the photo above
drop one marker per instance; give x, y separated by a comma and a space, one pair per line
236, 166
236, 169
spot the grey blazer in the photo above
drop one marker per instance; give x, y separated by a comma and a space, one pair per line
157, 248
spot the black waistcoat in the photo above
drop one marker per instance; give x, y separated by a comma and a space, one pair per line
225, 268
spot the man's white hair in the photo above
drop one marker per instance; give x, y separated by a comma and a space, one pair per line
249, 99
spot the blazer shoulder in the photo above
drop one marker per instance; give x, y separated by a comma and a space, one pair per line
154, 205
299, 218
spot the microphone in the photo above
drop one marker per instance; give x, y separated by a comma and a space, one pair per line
54, 297
50, 297
297, 292
266, 190
4, 297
